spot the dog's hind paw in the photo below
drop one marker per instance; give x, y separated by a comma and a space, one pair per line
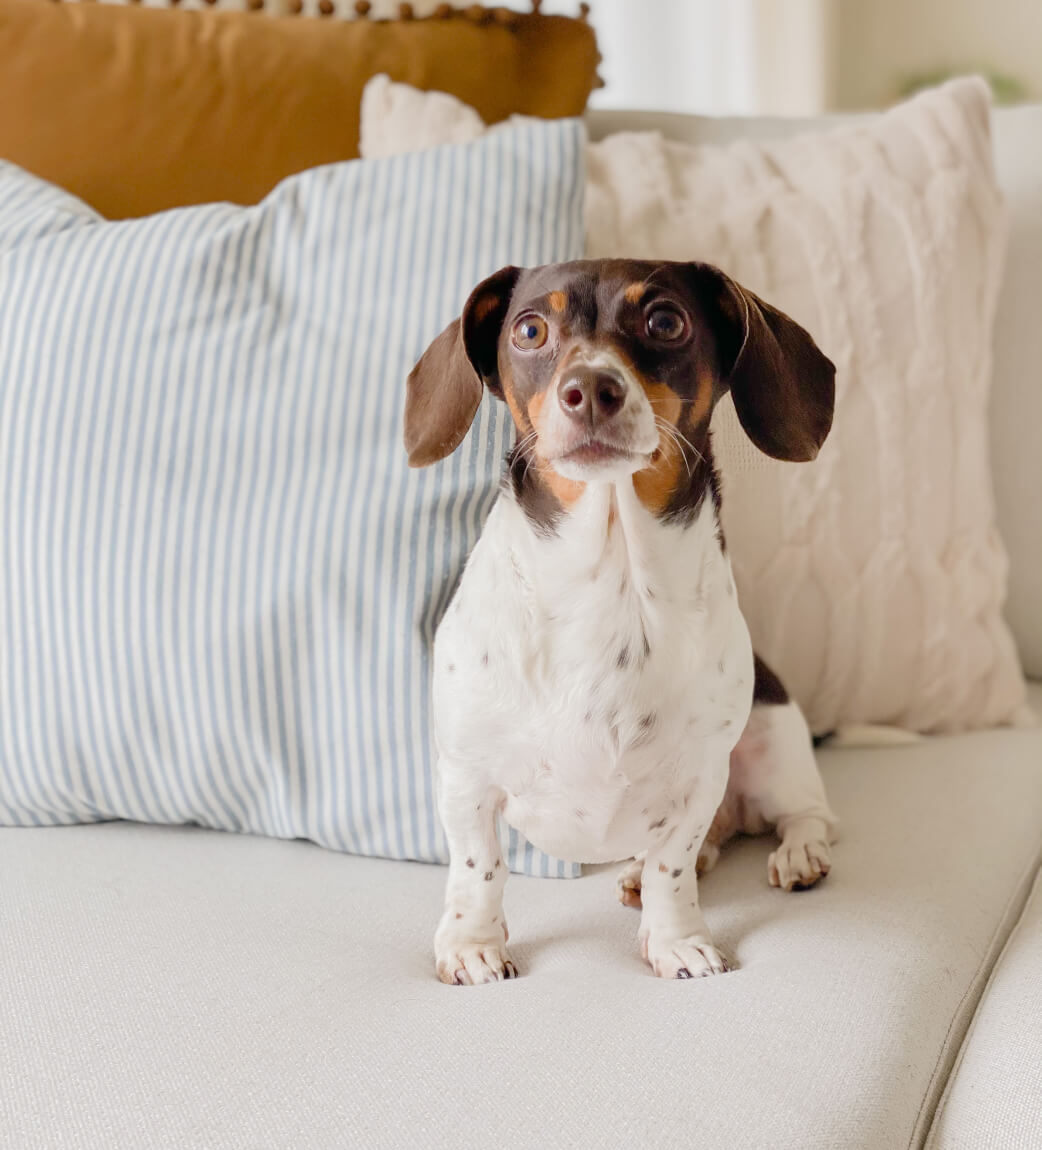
803, 857
708, 857
628, 885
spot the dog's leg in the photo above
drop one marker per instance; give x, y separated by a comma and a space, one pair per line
674, 937
774, 770
470, 942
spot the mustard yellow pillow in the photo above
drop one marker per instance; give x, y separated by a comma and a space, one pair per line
136, 110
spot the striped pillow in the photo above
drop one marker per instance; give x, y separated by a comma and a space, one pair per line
219, 580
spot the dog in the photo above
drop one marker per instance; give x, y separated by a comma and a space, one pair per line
593, 678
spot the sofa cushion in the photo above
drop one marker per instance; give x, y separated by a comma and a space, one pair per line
139, 109
994, 1095
219, 578
180, 988
873, 579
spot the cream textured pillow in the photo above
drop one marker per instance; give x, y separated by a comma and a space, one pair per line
873, 579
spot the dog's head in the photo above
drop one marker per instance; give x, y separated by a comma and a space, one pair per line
612, 368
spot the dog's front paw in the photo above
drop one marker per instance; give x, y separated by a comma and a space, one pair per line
801, 860
464, 961
691, 957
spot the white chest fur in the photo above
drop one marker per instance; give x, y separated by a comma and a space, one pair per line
588, 681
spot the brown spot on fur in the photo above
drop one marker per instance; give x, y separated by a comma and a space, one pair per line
557, 300
676, 873
658, 826
459, 914
662, 868
489, 875
635, 292
470, 862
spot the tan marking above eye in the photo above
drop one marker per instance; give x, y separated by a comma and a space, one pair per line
634, 292
557, 300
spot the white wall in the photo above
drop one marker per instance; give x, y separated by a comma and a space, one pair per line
799, 57
711, 56
878, 43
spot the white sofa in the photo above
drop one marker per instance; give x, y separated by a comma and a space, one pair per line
172, 987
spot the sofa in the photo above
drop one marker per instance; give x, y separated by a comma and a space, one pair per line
180, 987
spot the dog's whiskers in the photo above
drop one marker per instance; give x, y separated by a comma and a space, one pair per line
679, 440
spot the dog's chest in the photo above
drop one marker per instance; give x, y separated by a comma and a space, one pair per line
587, 675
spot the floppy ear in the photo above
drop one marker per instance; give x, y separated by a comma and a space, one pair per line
783, 387
444, 388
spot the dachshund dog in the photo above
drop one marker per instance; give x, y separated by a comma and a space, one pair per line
594, 680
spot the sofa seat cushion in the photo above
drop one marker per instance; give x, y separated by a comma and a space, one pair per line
994, 1095
180, 987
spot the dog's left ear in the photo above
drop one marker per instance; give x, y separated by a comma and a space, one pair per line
783, 387
444, 387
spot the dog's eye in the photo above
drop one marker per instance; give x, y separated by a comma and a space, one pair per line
530, 333
665, 323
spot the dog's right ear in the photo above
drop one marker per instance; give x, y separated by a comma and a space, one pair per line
444, 388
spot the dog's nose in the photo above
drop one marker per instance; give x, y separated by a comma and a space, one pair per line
590, 396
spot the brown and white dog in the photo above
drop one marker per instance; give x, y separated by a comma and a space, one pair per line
594, 681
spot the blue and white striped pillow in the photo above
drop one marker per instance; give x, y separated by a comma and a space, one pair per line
219, 580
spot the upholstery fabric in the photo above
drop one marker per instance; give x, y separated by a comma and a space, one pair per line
135, 110
993, 1099
173, 988
873, 579
219, 579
